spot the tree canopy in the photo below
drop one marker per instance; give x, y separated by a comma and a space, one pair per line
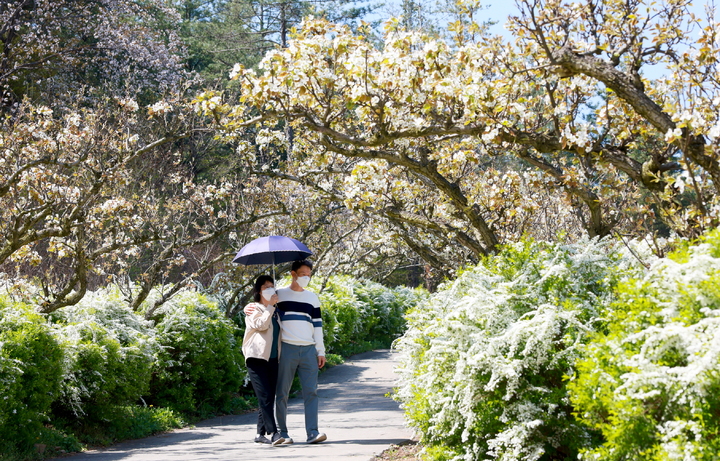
409, 156
469, 142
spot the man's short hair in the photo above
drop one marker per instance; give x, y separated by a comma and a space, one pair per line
298, 264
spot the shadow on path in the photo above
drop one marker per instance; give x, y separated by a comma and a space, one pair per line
359, 419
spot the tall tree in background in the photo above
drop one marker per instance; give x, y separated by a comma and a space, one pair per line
51, 48
221, 33
438, 18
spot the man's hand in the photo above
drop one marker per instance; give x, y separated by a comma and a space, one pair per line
321, 361
249, 309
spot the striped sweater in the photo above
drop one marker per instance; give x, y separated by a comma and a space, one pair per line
301, 319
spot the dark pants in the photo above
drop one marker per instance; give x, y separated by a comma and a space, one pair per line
263, 376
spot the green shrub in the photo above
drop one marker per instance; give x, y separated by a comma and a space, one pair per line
201, 367
30, 374
123, 422
384, 318
334, 360
650, 380
484, 359
359, 315
340, 314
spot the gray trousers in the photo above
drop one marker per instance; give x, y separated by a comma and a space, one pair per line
302, 359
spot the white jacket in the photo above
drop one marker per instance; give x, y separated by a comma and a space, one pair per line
259, 332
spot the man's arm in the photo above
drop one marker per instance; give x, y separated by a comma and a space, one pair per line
318, 334
260, 318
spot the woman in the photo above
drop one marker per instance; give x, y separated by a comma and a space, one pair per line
261, 348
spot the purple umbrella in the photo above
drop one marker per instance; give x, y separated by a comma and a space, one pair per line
272, 250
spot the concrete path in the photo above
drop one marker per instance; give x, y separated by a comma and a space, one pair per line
359, 420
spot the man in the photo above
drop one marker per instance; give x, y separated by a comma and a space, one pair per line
303, 350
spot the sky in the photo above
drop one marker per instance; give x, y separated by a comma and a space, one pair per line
499, 10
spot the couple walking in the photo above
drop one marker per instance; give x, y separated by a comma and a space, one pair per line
283, 334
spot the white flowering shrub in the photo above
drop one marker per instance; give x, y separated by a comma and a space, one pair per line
110, 354
650, 380
485, 359
359, 314
201, 367
30, 375
384, 318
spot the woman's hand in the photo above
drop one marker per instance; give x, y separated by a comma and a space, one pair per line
274, 299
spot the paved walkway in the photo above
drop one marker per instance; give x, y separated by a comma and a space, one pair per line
359, 420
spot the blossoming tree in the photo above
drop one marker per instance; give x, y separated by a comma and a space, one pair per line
93, 195
51, 48
422, 130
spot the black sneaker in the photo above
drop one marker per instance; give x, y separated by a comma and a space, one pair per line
261, 439
277, 439
317, 438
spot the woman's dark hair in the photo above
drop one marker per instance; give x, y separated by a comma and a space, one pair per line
257, 289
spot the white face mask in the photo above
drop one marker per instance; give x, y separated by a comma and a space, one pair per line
303, 281
267, 293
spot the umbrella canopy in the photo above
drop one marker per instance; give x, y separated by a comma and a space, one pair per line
272, 250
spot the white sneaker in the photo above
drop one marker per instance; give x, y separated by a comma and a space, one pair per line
317, 438
277, 439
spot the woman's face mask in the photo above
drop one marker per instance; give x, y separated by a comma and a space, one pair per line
267, 293
303, 281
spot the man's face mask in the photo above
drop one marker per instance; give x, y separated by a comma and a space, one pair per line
303, 281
